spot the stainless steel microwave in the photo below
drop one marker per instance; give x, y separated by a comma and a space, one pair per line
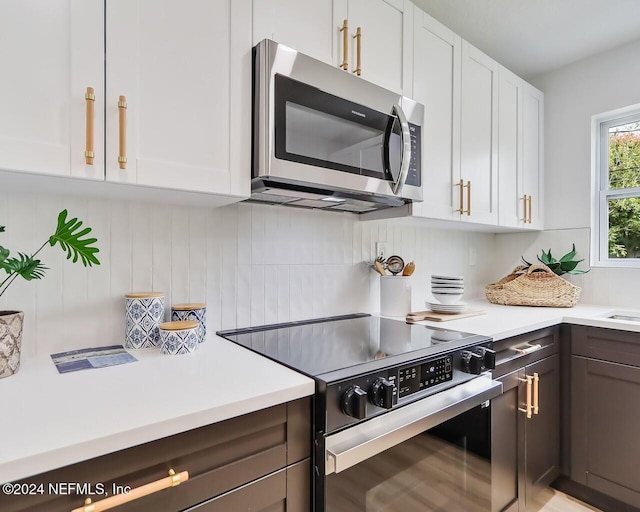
325, 139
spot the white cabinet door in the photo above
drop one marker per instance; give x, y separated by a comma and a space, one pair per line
511, 204
305, 25
386, 40
50, 52
532, 149
479, 135
436, 84
184, 69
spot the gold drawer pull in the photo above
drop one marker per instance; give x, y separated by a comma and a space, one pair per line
536, 393
122, 121
345, 45
527, 349
527, 410
358, 36
139, 492
90, 98
530, 207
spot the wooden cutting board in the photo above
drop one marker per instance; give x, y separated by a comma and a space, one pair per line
419, 316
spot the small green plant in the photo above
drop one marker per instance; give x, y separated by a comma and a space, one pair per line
565, 265
68, 235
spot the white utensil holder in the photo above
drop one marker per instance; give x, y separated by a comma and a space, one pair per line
395, 295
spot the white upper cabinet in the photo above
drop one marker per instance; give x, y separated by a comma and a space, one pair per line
51, 51
305, 25
512, 203
436, 84
533, 154
178, 89
520, 153
382, 29
479, 136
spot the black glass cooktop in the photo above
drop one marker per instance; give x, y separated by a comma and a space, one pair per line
325, 345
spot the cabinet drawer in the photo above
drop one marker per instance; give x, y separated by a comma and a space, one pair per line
287, 490
606, 344
519, 351
218, 457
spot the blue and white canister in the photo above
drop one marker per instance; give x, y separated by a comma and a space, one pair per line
179, 337
196, 311
144, 312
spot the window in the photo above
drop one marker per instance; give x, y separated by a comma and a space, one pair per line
616, 219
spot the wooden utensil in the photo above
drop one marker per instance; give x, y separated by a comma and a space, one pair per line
409, 269
379, 268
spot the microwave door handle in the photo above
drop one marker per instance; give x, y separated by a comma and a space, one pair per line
396, 188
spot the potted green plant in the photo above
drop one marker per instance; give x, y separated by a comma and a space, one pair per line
69, 236
565, 265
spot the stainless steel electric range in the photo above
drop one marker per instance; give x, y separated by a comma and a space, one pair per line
401, 411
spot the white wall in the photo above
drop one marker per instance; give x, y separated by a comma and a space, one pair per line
251, 264
572, 95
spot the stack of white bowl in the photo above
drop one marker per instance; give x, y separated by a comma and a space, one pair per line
447, 290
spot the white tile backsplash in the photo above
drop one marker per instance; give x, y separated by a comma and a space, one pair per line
251, 264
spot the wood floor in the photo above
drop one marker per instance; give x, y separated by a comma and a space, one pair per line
560, 502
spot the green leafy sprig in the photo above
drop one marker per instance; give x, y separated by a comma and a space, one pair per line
565, 265
69, 235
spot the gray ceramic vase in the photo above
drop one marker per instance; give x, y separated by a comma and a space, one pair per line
10, 341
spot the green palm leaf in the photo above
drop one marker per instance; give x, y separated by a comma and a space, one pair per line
1, 229
25, 266
4, 254
69, 235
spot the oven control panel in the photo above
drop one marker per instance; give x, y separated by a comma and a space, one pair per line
412, 379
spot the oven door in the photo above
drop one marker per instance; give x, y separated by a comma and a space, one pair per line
431, 455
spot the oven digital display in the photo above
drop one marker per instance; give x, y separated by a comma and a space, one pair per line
422, 376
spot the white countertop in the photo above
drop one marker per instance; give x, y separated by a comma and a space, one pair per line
502, 322
49, 420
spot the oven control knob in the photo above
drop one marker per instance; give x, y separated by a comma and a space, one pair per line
354, 402
488, 358
471, 363
381, 393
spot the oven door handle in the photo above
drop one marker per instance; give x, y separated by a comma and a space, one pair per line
361, 442
396, 187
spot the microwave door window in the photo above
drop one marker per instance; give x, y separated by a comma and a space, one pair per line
327, 139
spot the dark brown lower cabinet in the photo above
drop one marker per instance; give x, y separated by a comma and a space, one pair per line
258, 462
605, 412
525, 455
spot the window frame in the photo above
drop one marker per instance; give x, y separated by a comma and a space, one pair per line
600, 193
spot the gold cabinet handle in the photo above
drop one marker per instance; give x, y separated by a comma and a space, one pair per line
358, 37
524, 208
122, 122
530, 207
461, 185
468, 210
139, 492
536, 393
527, 410
90, 99
527, 349
345, 45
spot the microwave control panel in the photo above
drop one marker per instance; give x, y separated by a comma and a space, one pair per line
414, 176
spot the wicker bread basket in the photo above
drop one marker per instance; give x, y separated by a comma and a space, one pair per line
538, 286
